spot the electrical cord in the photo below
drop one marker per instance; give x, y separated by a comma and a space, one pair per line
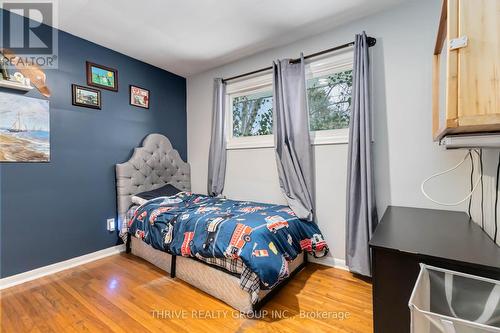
482, 187
422, 186
471, 180
496, 202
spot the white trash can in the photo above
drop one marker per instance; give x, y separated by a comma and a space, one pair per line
445, 301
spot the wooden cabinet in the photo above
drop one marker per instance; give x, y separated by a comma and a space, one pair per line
466, 78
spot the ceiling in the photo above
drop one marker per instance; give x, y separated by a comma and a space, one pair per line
190, 36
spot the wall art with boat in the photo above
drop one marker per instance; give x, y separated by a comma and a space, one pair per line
24, 129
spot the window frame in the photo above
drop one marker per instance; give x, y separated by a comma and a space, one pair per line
334, 63
252, 85
329, 64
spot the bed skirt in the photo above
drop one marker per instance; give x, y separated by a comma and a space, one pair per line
213, 281
145, 251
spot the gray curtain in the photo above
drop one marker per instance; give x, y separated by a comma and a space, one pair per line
217, 154
291, 137
361, 210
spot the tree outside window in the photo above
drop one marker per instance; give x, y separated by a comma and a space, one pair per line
329, 99
253, 114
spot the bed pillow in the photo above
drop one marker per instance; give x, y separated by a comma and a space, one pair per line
164, 191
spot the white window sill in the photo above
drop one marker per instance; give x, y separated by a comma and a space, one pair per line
248, 145
317, 139
337, 140
251, 142
330, 137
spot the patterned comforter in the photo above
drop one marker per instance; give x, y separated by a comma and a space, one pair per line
264, 236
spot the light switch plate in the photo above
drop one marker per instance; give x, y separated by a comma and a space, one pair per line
111, 224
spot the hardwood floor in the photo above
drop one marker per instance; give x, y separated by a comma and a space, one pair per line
123, 293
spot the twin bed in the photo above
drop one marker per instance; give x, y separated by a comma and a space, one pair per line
226, 274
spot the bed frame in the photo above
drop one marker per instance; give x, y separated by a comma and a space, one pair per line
154, 165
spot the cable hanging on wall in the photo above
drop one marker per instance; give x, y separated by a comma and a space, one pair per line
482, 187
473, 188
496, 203
471, 181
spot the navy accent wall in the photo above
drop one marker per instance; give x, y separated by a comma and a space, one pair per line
54, 211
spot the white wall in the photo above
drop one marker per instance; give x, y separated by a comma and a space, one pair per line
404, 151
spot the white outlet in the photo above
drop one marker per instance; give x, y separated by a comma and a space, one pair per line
111, 224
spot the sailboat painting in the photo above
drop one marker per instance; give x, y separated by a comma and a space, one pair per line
24, 129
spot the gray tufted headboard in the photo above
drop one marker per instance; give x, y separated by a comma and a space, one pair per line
151, 166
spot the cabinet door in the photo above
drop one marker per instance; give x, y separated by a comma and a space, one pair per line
479, 64
445, 72
394, 276
467, 75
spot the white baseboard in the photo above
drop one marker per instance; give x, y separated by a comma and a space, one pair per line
330, 261
13, 280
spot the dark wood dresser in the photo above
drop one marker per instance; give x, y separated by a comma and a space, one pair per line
406, 237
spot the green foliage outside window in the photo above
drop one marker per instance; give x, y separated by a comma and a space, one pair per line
253, 114
329, 101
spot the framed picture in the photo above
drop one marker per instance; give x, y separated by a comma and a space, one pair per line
86, 97
24, 129
139, 97
102, 77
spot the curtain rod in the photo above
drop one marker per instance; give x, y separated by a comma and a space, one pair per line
371, 42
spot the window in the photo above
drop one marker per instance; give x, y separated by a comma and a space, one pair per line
253, 114
329, 100
329, 87
249, 113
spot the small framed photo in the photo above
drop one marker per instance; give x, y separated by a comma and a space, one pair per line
139, 97
102, 77
86, 97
